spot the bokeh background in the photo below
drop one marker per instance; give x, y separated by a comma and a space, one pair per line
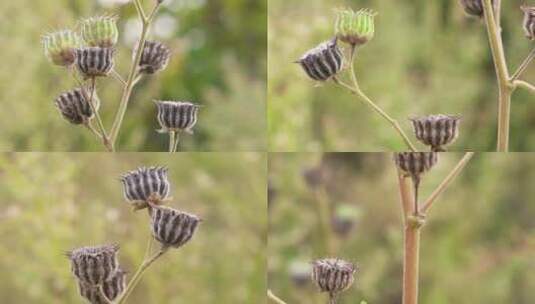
219, 61
478, 245
427, 57
54, 202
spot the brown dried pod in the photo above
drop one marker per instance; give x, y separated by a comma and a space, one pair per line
323, 61
74, 106
110, 289
333, 275
145, 185
94, 61
172, 228
154, 58
94, 265
174, 116
475, 7
529, 21
436, 131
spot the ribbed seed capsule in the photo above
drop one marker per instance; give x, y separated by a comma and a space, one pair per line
94, 265
146, 185
74, 106
333, 275
323, 61
94, 61
177, 116
110, 289
154, 58
100, 31
529, 21
436, 130
355, 27
415, 163
474, 7
172, 228
60, 47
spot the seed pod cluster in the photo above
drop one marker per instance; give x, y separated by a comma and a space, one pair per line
154, 58
436, 131
110, 289
333, 275
324, 61
60, 47
94, 61
475, 7
94, 265
175, 116
74, 106
529, 21
172, 228
145, 185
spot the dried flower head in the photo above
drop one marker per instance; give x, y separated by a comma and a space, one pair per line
74, 106
154, 58
145, 185
172, 228
355, 27
175, 116
475, 7
323, 61
94, 61
333, 275
436, 131
100, 31
94, 265
529, 21
110, 289
60, 47
415, 163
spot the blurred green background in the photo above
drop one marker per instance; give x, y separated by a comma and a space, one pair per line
219, 61
54, 202
427, 57
478, 245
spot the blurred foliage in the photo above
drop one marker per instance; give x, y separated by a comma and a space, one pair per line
219, 51
478, 245
53, 202
427, 57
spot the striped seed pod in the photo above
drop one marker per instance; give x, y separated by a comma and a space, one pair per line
175, 116
355, 27
74, 106
529, 21
172, 228
436, 130
94, 61
60, 47
154, 58
333, 275
145, 185
323, 61
94, 265
100, 31
475, 7
110, 289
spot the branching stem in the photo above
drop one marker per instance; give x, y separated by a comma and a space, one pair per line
523, 66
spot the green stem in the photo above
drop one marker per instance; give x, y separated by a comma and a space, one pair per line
177, 140
524, 85
523, 66
172, 140
274, 298
105, 138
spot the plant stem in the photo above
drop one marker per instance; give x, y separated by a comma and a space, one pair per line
177, 140
449, 178
411, 262
502, 74
118, 77
405, 195
137, 276
172, 140
524, 85
523, 66
274, 298
127, 92
105, 139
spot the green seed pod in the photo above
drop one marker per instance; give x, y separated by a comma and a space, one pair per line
60, 47
355, 27
100, 31
529, 21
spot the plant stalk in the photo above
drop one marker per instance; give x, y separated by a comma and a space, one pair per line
172, 139
523, 66
105, 138
274, 298
524, 85
411, 263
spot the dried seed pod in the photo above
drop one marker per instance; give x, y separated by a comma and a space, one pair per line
475, 7
94, 265
436, 130
94, 61
175, 116
529, 21
333, 275
355, 27
109, 289
154, 58
60, 47
323, 61
100, 31
145, 185
74, 106
172, 228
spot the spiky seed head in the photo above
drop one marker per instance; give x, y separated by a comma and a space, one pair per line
146, 185
475, 7
333, 275
60, 47
324, 61
110, 289
172, 228
415, 164
94, 61
436, 131
355, 27
529, 21
94, 265
154, 58
174, 116
100, 31
74, 106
